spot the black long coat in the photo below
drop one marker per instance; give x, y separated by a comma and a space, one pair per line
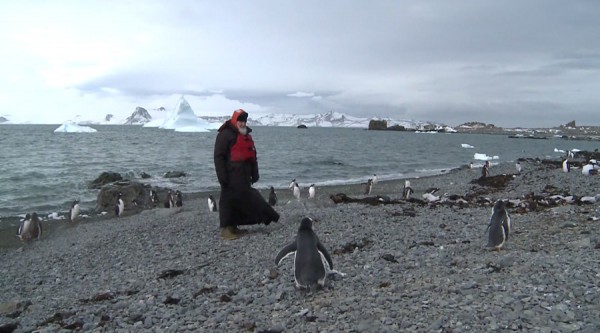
239, 203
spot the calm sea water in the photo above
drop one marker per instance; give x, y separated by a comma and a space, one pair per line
44, 171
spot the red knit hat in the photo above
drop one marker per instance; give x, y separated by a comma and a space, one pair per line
239, 115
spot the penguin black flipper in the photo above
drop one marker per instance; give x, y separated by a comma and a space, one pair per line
286, 251
325, 254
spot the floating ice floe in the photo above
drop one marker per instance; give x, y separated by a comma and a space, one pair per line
71, 127
484, 157
466, 145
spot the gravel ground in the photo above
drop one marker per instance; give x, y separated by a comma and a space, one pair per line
409, 267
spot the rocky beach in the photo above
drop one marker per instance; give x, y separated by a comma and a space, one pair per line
410, 265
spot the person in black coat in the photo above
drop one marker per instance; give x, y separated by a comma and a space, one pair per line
237, 169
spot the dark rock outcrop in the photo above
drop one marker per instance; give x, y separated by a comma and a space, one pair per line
174, 174
108, 117
3, 120
377, 125
134, 196
105, 178
301, 126
571, 124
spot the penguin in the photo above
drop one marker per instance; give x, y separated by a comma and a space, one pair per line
169, 201
311, 191
470, 165
566, 165
499, 227
587, 169
407, 191
120, 205
154, 198
296, 191
485, 171
374, 179
31, 228
292, 184
22, 223
369, 186
272, 197
212, 205
74, 211
178, 198
518, 166
311, 259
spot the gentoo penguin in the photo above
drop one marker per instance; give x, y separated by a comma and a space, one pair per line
310, 257
120, 205
170, 200
518, 166
369, 186
311, 191
178, 198
587, 169
485, 171
499, 227
154, 198
31, 228
272, 197
566, 165
374, 179
296, 191
74, 211
407, 191
292, 184
212, 204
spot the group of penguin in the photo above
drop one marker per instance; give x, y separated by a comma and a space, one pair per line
31, 226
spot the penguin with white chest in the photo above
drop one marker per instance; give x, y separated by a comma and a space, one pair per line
407, 191
212, 204
499, 227
120, 205
369, 186
311, 191
296, 191
74, 211
30, 228
311, 259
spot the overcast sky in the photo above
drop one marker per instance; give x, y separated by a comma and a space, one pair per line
510, 63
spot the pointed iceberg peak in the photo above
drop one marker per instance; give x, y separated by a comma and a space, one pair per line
183, 119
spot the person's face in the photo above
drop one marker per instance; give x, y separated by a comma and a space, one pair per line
240, 124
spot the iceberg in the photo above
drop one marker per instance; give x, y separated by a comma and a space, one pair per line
466, 145
183, 119
484, 157
71, 127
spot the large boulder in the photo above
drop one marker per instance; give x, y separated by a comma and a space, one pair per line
105, 178
174, 174
135, 196
377, 124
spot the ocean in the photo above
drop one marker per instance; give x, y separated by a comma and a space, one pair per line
44, 172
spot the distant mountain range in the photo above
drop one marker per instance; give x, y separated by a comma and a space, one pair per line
142, 116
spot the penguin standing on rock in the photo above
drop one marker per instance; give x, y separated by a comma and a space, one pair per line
120, 205
212, 205
518, 166
311, 191
272, 197
154, 198
369, 186
499, 227
566, 165
30, 228
74, 211
296, 191
170, 200
178, 199
407, 191
311, 259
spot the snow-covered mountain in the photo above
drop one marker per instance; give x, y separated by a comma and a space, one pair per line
329, 119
